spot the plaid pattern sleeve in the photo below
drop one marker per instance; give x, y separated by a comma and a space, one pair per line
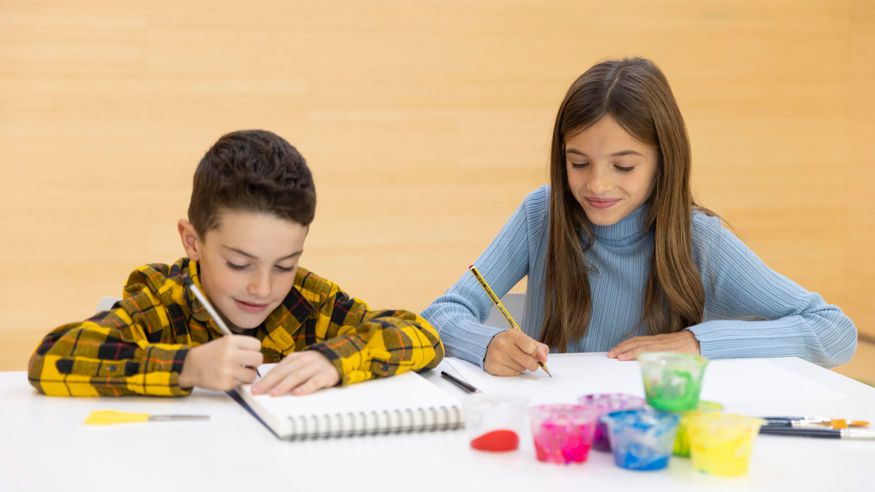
128, 350
363, 343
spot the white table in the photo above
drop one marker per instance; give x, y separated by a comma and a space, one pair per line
46, 446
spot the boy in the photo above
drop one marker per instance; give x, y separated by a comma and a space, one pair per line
252, 202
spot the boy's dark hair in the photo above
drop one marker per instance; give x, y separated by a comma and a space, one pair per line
255, 171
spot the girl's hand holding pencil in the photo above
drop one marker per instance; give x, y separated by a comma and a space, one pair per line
512, 352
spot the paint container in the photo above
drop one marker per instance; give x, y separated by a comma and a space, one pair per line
606, 403
563, 433
672, 382
721, 443
682, 441
494, 423
641, 439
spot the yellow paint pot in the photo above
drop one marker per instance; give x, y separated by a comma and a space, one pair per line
721, 443
682, 440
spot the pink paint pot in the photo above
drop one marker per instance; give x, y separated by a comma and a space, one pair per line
563, 433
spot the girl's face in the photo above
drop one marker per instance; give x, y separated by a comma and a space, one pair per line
610, 172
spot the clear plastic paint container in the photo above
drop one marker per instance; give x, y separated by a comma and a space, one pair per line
563, 433
672, 382
721, 443
642, 439
682, 441
607, 403
494, 423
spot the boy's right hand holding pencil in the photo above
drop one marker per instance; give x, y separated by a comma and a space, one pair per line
222, 364
512, 352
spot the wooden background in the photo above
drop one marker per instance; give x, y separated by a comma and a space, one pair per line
425, 124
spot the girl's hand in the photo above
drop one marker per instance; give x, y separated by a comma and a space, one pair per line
511, 352
683, 341
299, 373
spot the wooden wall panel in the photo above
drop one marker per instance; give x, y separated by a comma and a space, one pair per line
425, 124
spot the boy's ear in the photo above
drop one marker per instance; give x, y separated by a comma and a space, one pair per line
190, 241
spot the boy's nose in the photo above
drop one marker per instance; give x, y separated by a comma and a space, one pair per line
259, 286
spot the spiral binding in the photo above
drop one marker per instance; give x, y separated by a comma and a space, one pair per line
398, 421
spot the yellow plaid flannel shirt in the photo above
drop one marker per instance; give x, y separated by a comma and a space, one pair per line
139, 346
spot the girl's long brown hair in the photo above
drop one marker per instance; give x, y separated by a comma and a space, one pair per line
636, 94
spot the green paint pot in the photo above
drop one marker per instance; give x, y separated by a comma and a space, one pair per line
672, 382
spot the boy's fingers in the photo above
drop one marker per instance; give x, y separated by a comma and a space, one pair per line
318, 381
299, 374
246, 343
307, 387
270, 380
291, 381
251, 359
244, 375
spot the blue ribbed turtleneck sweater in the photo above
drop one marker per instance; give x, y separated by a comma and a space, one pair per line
738, 287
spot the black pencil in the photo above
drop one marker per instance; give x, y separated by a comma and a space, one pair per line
467, 388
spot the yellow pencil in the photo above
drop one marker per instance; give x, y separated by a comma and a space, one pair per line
501, 307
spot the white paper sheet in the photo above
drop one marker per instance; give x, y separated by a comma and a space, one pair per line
726, 381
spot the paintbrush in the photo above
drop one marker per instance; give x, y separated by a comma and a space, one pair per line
856, 434
814, 422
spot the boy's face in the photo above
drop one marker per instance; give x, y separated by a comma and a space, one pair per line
247, 263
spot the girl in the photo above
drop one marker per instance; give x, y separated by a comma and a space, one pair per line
621, 259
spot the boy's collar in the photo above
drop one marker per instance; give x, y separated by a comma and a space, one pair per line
196, 309
286, 319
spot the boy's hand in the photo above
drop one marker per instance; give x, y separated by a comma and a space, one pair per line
683, 341
221, 364
511, 352
299, 373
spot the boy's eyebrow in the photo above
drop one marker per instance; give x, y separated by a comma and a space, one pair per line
253, 257
615, 154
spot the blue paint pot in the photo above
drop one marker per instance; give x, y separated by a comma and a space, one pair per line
641, 439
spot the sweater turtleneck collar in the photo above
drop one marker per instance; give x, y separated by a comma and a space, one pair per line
628, 230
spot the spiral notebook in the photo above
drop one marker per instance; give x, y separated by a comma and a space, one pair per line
403, 403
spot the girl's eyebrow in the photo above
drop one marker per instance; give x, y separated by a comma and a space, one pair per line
615, 154
626, 152
253, 257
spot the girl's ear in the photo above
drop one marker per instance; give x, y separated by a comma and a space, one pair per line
191, 243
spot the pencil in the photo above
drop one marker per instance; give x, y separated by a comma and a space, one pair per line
501, 307
211, 310
467, 388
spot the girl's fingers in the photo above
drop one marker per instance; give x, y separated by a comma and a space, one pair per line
620, 349
515, 360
